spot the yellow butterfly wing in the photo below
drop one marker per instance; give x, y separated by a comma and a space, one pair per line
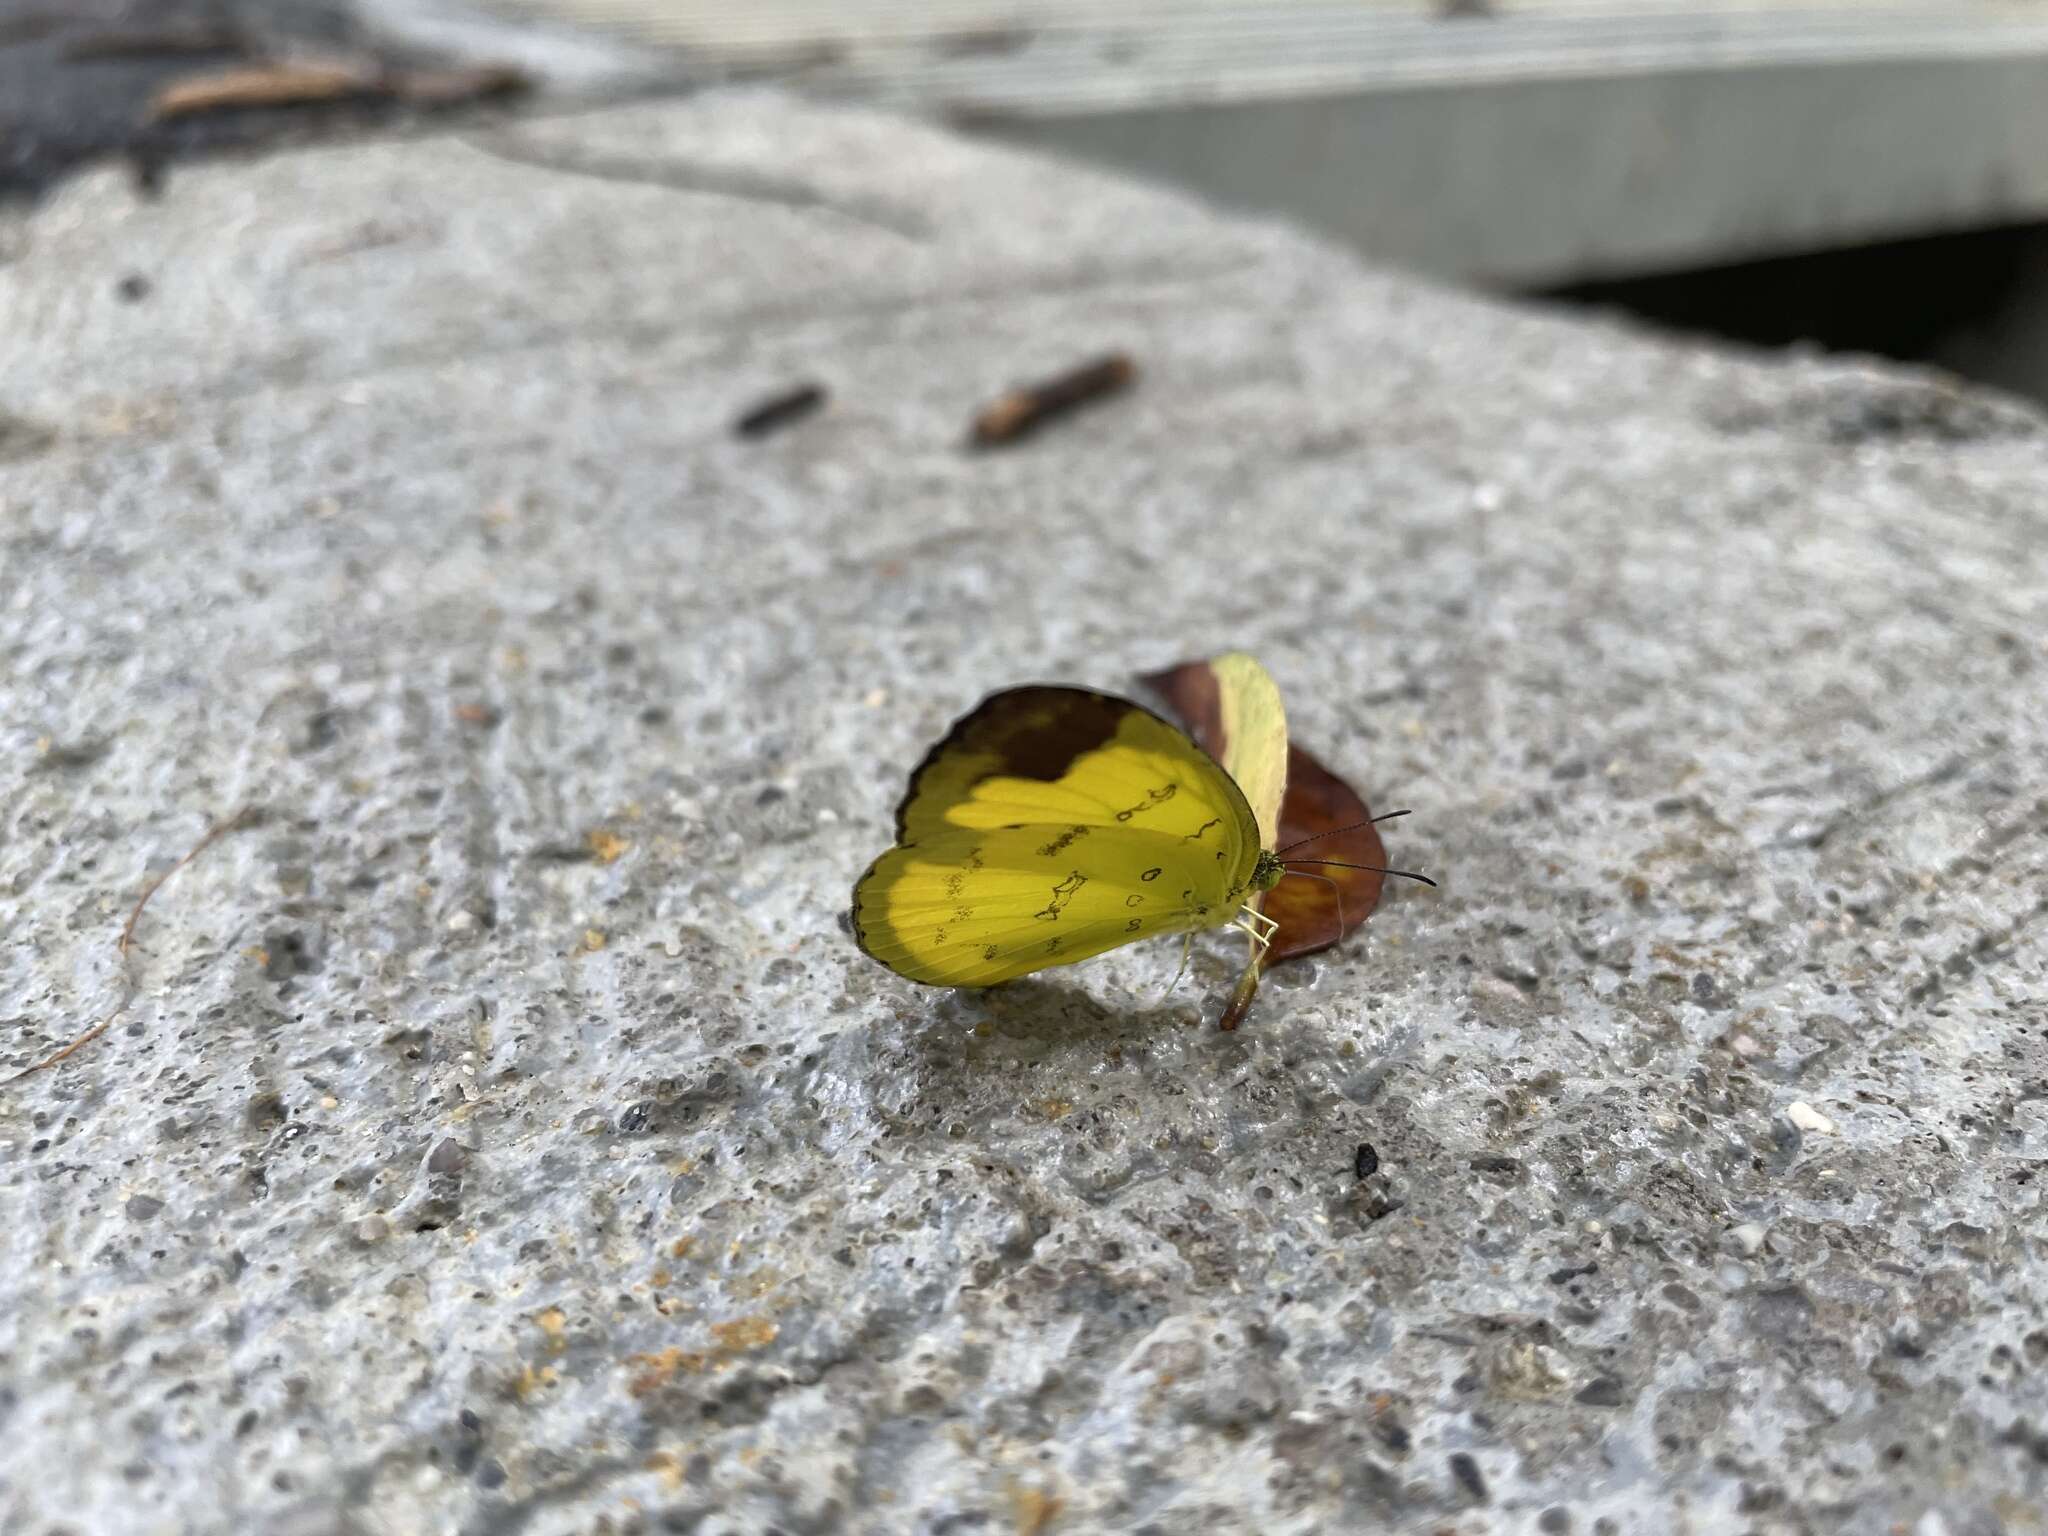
1255, 754
1254, 737
1050, 825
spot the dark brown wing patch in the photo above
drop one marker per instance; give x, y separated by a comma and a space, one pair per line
1191, 692
1034, 732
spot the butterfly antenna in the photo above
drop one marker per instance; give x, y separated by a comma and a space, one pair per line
1336, 831
1374, 869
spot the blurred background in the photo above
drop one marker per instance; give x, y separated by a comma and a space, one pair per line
1856, 175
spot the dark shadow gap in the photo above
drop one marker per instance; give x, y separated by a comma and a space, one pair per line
1975, 304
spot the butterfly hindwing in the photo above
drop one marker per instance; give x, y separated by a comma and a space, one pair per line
1050, 825
978, 907
1254, 737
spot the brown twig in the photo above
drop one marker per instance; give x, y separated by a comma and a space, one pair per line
314, 83
79, 1044
213, 835
458, 87
262, 85
1023, 411
780, 410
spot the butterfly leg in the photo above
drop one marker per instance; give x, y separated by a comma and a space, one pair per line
1260, 927
1187, 949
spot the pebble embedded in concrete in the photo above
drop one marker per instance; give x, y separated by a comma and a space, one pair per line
1809, 1119
1747, 1238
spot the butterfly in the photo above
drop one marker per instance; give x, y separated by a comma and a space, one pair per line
1052, 824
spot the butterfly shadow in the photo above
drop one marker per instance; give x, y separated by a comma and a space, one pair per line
1053, 1014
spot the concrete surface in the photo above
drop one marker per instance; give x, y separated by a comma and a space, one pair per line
503, 1134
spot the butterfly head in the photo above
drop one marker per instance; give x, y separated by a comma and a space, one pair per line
1267, 872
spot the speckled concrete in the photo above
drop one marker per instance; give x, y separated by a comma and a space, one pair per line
503, 1134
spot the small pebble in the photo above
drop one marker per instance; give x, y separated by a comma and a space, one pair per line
1493, 989
1601, 1392
448, 1156
1747, 1239
1807, 1118
1366, 1162
461, 922
372, 1229
1465, 1471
